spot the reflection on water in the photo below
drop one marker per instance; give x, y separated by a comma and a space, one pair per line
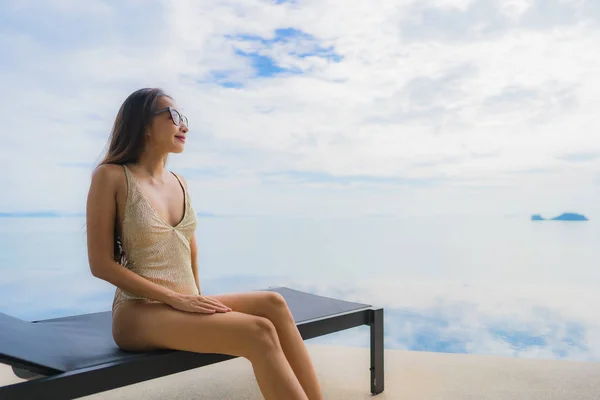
499, 287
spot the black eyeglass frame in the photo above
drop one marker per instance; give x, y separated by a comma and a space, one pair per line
176, 116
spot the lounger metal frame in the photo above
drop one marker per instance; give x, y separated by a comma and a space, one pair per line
57, 385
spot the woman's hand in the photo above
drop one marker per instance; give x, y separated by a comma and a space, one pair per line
198, 304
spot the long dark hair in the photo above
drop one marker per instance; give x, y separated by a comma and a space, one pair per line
128, 139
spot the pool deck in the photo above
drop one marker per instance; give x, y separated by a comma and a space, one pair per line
344, 375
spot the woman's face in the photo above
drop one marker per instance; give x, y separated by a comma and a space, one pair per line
163, 132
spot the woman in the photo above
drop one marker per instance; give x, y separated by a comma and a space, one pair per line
140, 236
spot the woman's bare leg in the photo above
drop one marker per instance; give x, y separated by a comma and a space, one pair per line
272, 305
146, 326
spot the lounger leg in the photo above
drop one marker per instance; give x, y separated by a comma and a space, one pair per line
25, 374
377, 371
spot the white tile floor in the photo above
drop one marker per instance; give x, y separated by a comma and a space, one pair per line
344, 374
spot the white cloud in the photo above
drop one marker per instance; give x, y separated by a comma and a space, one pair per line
514, 9
515, 81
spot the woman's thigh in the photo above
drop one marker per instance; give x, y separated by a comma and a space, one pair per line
260, 303
142, 326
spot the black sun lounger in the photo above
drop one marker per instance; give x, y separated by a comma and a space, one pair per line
66, 358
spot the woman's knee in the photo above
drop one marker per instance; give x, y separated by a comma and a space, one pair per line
276, 305
262, 337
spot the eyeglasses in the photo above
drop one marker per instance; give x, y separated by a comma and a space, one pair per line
176, 116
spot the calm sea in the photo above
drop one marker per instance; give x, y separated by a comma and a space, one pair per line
498, 286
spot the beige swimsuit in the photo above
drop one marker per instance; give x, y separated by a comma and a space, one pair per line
154, 249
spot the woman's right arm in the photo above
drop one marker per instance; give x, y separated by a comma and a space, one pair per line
100, 219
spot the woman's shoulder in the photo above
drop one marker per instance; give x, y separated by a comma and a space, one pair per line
108, 175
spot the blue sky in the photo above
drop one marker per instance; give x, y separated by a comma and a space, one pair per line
424, 107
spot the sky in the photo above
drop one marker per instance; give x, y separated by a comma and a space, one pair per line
381, 107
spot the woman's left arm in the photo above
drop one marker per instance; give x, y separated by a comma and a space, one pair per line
194, 254
193, 245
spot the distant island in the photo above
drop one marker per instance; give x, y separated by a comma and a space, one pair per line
561, 217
